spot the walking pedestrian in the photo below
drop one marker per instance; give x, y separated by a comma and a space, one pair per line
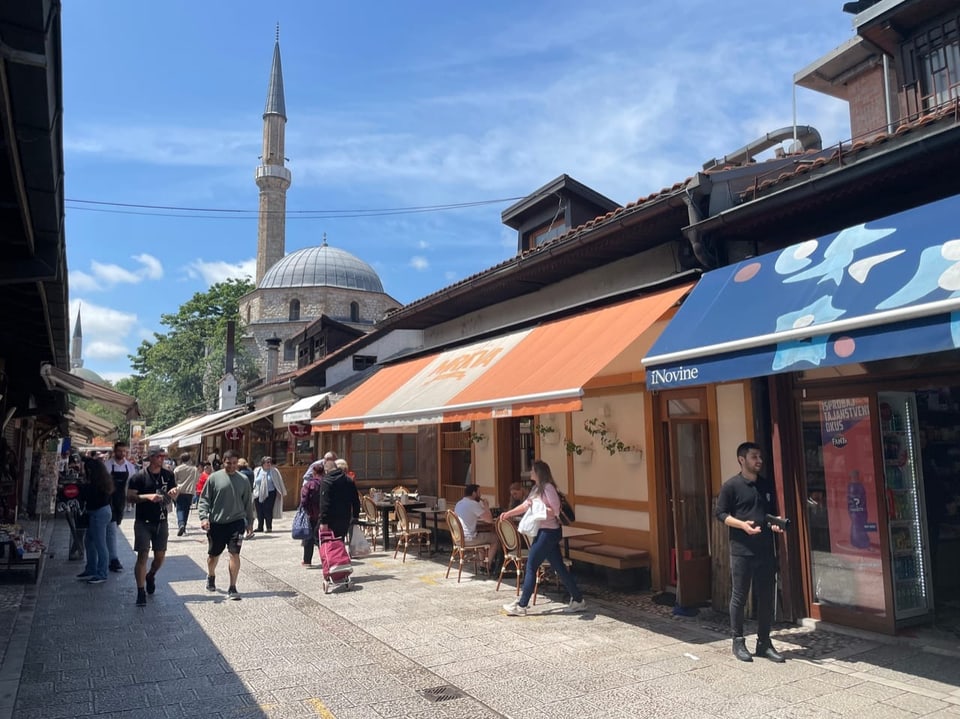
121, 470
152, 489
267, 489
98, 495
310, 501
246, 471
339, 501
226, 514
186, 473
743, 504
546, 546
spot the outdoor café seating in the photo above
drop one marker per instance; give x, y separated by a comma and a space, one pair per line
407, 533
512, 552
462, 550
369, 522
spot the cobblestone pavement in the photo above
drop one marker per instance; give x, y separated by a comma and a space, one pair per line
404, 635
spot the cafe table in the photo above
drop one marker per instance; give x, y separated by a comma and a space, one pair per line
568, 531
384, 507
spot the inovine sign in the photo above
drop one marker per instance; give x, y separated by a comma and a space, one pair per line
672, 376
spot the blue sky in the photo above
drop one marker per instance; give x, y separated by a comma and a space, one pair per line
393, 105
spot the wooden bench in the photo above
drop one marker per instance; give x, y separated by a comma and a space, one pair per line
580, 542
611, 556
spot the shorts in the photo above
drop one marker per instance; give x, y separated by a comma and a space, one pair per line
150, 534
225, 536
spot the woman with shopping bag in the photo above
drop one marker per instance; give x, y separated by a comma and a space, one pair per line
543, 523
310, 506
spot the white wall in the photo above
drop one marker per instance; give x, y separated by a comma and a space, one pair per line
731, 426
387, 346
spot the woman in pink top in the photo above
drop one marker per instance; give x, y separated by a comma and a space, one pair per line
546, 547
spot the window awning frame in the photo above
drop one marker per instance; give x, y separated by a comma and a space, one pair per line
57, 379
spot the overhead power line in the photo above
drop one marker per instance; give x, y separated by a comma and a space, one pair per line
216, 213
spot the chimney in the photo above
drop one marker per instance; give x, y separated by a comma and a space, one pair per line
231, 345
273, 357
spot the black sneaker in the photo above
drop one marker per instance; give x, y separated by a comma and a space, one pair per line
115, 566
233, 594
141, 598
211, 584
151, 583
182, 530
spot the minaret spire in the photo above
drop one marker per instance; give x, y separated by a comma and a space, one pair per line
76, 349
273, 178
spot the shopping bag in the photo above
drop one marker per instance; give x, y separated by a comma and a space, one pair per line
530, 521
301, 525
359, 546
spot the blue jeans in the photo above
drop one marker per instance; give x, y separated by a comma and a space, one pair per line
546, 547
95, 542
184, 503
112, 531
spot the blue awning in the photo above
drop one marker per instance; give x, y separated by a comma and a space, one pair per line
889, 288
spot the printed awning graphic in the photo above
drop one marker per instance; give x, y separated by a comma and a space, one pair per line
890, 288
532, 371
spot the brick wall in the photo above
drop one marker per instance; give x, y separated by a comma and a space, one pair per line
868, 110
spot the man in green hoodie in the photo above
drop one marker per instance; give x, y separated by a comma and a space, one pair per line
226, 515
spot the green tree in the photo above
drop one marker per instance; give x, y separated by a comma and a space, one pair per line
177, 373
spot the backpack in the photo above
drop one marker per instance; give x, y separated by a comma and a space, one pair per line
567, 515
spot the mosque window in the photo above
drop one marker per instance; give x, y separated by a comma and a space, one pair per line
354, 311
289, 351
294, 310
248, 314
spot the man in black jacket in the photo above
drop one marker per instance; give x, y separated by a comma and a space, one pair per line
339, 501
745, 501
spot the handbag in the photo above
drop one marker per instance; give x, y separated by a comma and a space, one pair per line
567, 515
359, 546
531, 519
301, 524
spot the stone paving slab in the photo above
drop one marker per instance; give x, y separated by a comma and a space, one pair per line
289, 650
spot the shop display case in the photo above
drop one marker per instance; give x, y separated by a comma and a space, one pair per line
903, 486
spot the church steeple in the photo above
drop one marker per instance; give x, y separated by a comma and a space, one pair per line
273, 178
76, 349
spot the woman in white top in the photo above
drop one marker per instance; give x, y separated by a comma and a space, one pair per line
546, 547
267, 489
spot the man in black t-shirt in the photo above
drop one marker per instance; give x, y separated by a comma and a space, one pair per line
152, 490
745, 501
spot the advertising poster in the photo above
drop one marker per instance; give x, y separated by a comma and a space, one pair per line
852, 509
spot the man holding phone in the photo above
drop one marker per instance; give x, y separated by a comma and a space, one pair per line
153, 489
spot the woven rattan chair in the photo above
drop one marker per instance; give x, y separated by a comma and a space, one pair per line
370, 521
461, 548
512, 551
407, 533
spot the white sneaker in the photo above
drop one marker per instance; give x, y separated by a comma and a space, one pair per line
574, 607
514, 609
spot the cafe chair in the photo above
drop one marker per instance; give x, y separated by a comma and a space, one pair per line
407, 533
461, 548
512, 551
370, 521
399, 491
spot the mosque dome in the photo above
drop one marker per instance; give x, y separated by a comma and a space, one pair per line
89, 375
322, 266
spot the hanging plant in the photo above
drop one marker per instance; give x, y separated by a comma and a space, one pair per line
478, 438
608, 440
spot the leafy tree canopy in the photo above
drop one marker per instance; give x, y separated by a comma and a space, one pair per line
177, 373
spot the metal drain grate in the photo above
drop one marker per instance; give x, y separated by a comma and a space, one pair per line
442, 693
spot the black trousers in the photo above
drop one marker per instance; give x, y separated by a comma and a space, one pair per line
265, 511
761, 573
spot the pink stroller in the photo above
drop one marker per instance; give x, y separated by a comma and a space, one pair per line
335, 562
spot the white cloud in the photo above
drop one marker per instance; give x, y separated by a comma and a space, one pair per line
101, 321
104, 350
422, 245
419, 263
220, 270
152, 268
115, 377
103, 276
450, 276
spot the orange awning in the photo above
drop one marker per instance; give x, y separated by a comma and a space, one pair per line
539, 370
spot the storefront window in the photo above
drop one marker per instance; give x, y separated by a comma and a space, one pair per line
842, 507
383, 456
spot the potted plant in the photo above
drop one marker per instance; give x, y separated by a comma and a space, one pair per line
548, 435
479, 439
583, 453
610, 442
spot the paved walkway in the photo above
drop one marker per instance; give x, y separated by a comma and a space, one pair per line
404, 635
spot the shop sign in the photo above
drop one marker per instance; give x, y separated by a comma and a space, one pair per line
299, 430
234, 434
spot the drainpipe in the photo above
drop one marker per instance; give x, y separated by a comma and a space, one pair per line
695, 217
886, 93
